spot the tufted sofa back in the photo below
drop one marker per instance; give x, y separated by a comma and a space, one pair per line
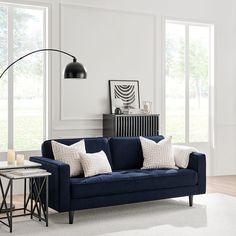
123, 152
92, 145
127, 152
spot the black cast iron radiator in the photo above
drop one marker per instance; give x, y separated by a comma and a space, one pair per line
130, 125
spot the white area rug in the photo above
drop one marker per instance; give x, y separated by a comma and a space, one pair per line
212, 214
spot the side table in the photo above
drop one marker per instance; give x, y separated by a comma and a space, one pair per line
37, 199
5, 166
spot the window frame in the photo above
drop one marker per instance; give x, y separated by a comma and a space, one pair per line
46, 25
211, 69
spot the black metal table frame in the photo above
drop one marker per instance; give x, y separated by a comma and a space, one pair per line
36, 186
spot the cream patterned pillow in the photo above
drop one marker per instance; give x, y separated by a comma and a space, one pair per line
95, 163
69, 155
157, 155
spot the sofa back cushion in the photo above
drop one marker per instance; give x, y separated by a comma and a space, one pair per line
127, 152
91, 144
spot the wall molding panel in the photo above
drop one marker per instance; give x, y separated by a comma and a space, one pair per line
83, 118
81, 27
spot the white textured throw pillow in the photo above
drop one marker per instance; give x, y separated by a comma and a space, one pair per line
69, 155
157, 155
181, 155
95, 163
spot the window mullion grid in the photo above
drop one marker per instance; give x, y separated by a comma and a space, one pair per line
187, 83
163, 109
10, 79
211, 86
45, 109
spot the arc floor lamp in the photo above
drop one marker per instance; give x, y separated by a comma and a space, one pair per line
74, 70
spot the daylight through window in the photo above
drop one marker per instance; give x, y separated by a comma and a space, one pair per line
187, 81
22, 30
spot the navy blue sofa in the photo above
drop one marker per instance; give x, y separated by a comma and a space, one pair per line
126, 184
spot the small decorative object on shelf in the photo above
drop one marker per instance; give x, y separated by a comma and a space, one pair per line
118, 104
130, 125
118, 111
135, 111
20, 158
147, 107
11, 157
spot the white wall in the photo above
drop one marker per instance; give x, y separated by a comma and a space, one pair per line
108, 35
95, 37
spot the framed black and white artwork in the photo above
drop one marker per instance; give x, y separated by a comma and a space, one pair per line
124, 94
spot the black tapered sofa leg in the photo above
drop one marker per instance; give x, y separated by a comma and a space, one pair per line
71, 217
191, 200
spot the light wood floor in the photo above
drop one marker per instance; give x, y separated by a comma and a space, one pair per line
222, 184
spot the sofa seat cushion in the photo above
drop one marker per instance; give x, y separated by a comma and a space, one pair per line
119, 182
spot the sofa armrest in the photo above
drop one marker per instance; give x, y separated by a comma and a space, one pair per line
59, 182
197, 162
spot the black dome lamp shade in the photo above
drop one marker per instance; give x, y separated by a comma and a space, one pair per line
73, 70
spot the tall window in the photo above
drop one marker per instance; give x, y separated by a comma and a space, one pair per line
187, 80
22, 89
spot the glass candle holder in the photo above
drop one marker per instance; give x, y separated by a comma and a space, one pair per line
20, 158
147, 107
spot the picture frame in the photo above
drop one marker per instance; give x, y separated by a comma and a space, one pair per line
124, 94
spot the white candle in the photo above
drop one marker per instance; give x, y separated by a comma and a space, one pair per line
20, 159
11, 156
